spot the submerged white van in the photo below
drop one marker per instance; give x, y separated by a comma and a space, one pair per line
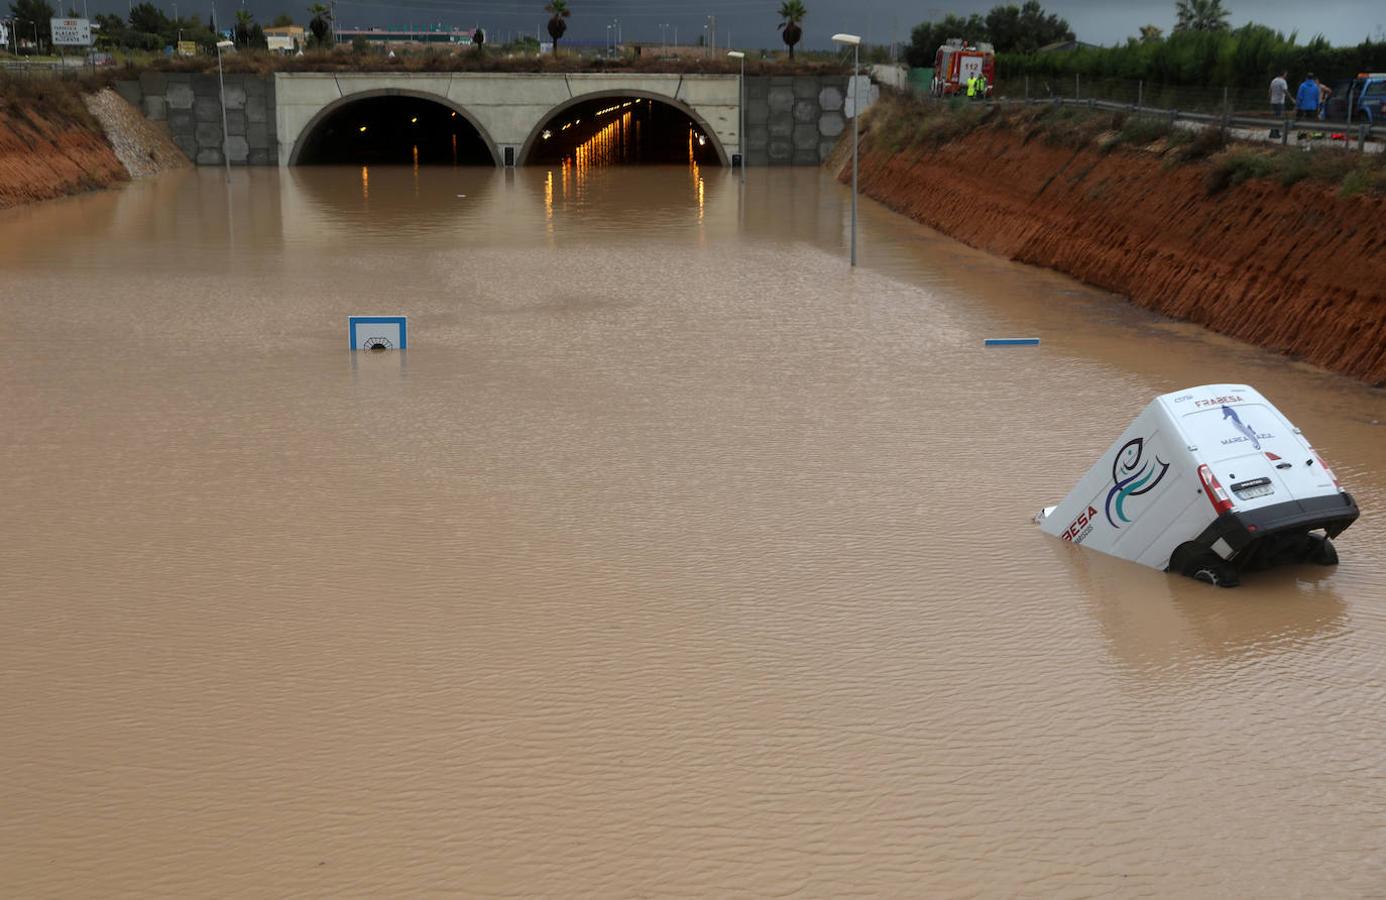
1207, 482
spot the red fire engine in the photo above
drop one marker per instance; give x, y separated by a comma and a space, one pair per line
957, 61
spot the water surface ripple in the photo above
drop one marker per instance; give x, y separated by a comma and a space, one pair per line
673, 558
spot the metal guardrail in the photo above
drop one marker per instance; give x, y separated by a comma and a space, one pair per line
1360, 132
26, 68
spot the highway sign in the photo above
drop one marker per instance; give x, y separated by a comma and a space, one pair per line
71, 32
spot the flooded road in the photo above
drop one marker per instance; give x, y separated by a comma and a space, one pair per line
673, 559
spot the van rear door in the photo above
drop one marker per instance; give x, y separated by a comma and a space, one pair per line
1256, 454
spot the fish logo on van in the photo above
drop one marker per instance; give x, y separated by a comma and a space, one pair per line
1230, 413
1132, 475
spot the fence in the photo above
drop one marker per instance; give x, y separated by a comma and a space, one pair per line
1247, 127
1242, 110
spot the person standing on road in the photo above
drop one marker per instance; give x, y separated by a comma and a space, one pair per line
1324, 93
971, 87
1279, 90
1307, 98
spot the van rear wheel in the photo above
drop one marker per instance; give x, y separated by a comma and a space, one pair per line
1322, 551
1222, 576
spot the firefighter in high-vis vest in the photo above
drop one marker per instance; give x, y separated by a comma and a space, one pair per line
971, 86
982, 87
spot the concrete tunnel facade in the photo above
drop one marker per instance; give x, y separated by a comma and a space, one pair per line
506, 109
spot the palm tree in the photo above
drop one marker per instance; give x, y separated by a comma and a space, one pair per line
793, 12
1151, 33
558, 11
244, 19
318, 25
1199, 15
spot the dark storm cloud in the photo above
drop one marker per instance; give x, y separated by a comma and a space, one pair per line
753, 23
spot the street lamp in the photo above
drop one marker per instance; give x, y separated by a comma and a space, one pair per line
854, 41
741, 103
225, 138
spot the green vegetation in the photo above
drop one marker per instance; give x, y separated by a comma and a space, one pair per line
558, 25
1353, 173
1199, 15
905, 123
30, 20
1018, 29
319, 26
248, 32
441, 58
1243, 57
58, 100
792, 13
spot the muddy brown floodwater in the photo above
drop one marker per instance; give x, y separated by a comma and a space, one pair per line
673, 558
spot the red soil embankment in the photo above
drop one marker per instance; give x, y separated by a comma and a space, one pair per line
49, 153
1301, 270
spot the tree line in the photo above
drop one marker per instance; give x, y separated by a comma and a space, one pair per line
1201, 50
148, 28
1248, 56
1009, 29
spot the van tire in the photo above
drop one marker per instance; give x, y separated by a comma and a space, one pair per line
1323, 552
1221, 576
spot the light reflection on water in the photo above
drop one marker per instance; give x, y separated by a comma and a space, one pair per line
674, 557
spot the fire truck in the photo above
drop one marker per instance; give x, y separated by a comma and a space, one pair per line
957, 61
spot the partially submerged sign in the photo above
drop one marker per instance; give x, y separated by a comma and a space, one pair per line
71, 32
378, 332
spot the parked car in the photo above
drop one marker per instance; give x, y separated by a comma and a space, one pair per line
1367, 96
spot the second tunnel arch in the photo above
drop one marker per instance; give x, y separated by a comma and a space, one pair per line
557, 112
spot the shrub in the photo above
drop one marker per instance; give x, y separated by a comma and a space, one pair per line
1233, 168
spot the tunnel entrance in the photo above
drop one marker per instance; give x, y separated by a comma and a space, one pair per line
607, 131
394, 130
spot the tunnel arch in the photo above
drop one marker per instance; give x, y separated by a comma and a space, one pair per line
547, 119
324, 115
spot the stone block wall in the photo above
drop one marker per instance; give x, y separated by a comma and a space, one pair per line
793, 120
191, 105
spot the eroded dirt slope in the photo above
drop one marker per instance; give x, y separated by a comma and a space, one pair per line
1301, 269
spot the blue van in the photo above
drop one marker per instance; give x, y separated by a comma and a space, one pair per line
1366, 94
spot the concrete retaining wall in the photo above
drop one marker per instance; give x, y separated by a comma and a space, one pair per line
793, 120
191, 105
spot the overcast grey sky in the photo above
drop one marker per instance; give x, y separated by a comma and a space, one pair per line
751, 23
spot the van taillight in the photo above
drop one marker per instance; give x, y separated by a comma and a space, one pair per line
1216, 495
1323, 465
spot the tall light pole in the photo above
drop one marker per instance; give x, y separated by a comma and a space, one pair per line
855, 42
741, 105
225, 138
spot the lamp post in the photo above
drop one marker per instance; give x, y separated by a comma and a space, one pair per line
741, 106
855, 42
221, 80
